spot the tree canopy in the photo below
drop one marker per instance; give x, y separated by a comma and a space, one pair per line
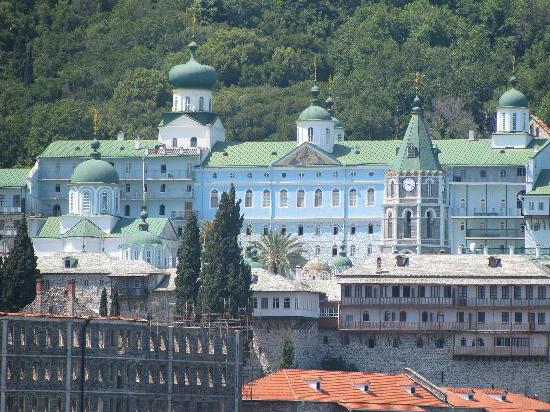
61, 59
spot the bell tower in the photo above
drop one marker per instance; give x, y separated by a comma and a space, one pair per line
414, 197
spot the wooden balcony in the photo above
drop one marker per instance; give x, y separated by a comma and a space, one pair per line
443, 326
501, 351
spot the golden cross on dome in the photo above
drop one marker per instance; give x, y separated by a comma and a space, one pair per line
330, 82
417, 81
96, 120
193, 22
514, 61
315, 68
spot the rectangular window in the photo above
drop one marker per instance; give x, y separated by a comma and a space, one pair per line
347, 291
127, 187
505, 292
128, 167
480, 317
529, 292
286, 303
518, 317
335, 229
447, 291
296, 306
502, 341
254, 303
460, 317
517, 292
434, 291
463, 291
481, 292
541, 206
275, 303
57, 188
16, 201
541, 318
406, 291
2, 200
300, 230
395, 291
421, 291
505, 317
358, 291
163, 168
531, 206
493, 292
521, 171
541, 292
264, 303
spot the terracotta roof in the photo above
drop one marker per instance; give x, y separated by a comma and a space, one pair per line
386, 392
541, 124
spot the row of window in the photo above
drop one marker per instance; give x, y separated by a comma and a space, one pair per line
521, 171
187, 103
284, 303
300, 232
15, 201
300, 198
436, 291
285, 174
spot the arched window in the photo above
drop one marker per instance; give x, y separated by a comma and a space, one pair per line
162, 210
389, 219
86, 202
56, 210
214, 199
407, 227
187, 103
248, 198
392, 189
126, 210
429, 224
266, 230
353, 198
370, 228
339, 137
104, 202
310, 134
148, 255
174, 142
283, 198
430, 188
249, 230
482, 204
209, 105
317, 230
317, 250
193, 142
370, 197
335, 197
352, 249
71, 203
327, 135
318, 200
334, 250
366, 316
300, 198
283, 230
201, 104
411, 151
117, 199
135, 254
266, 198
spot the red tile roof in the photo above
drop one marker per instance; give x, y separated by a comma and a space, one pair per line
387, 392
541, 124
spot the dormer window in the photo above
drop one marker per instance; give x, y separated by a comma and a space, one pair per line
363, 386
412, 151
315, 384
410, 388
310, 134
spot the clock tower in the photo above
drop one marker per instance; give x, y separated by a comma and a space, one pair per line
414, 196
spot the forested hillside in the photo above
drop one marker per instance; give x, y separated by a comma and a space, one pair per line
61, 58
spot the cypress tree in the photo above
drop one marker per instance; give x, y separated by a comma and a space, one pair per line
115, 304
189, 265
225, 278
103, 303
28, 68
287, 357
18, 286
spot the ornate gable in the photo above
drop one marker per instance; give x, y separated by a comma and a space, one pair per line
307, 155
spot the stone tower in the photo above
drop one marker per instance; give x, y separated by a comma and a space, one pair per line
414, 199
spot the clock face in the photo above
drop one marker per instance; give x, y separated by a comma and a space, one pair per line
409, 184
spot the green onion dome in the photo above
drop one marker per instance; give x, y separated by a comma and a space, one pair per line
192, 75
341, 261
143, 236
95, 170
314, 111
513, 97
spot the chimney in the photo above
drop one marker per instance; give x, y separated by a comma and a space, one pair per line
494, 262
378, 264
402, 261
71, 286
38, 300
471, 134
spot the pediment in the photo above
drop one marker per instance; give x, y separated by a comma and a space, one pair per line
307, 155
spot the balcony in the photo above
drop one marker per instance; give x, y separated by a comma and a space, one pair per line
463, 212
447, 302
11, 210
495, 234
133, 292
8, 231
504, 351
442, 326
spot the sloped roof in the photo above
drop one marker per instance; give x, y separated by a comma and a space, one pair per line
14, 177
84, 228
54, 301
204, 118
514, 402
541, 185
109, 148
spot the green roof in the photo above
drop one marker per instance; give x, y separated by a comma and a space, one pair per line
84, 228
141, 238
452, 152
315, 113
204, 118
418, 142
123, 228
94, 171
513, 97
14, 177
109, 148
541, 185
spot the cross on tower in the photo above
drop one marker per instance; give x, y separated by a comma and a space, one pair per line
417, 81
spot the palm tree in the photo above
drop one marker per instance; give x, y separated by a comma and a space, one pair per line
279, 253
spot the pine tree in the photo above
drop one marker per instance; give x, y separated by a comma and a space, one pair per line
287, 357
189, 265
18, 286
225, 278
103, 303
115, 304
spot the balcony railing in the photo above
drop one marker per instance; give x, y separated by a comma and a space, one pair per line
500, 351
133, 292
485, 212
8, 231
10, 210
443, 326
460, 302
494, 233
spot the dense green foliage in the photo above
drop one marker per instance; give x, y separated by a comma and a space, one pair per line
279, 253
59, 59
189, 266
103, 303
287, 356
18, 273
330, 363
225, 277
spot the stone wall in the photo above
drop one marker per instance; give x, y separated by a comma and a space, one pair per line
48, 363
391, 353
